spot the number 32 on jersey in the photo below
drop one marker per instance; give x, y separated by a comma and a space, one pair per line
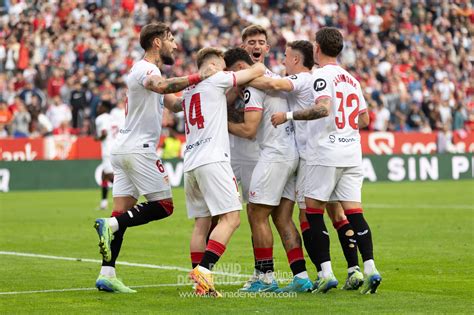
349, 102
194, 117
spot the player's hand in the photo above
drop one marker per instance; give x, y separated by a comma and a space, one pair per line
278, 119
207, 72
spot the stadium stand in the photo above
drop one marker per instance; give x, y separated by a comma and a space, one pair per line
60, 59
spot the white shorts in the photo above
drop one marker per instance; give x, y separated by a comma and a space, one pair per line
330, 183
243, 173
137, 174
300, 182
107, 165
272, 181
211, 190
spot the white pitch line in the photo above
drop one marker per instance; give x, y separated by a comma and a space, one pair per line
134, 286
420, 206
124, 263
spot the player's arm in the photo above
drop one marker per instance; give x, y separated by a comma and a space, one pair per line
320, 109
247, 75
364, 120
266, 83
247, 129
173, 103
161, 85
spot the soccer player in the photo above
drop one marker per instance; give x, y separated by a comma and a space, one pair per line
272, 183
106, 132
137, 168
298, 62
209, 183
333, 151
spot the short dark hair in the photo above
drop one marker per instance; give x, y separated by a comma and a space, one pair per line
206, 53
236, 54
306, 49
252, 30
330, 41
151, 31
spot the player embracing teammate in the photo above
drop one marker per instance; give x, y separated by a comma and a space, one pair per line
333, 150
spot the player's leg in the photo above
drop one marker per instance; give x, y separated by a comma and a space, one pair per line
197, 210
107, 280
199, 239
348, 191
283, 219
348, 243
262, 241
217, 187
141, 176
319, 184
125, 197
304, 224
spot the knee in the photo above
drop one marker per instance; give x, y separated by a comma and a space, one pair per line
167, 206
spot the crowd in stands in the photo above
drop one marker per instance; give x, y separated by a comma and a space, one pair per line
60, 59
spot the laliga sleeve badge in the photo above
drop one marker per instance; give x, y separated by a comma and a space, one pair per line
246, 96
319, 85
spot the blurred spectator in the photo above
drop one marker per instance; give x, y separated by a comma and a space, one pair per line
415, 118
55, 82
382, 118
21, 121
459, 117
58, 112
403, 52
5, 118
78, 102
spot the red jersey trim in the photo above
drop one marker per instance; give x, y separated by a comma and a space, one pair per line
234, 84
251, 109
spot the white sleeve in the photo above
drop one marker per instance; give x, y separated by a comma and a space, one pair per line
321, 89
297, 82
253, 99
224, 79
143, 72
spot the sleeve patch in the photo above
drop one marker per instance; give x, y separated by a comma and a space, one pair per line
246, 96
319, 85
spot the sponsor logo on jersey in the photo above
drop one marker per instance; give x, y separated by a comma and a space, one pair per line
246, 96
362, 233
293, 77
332, 138
319, 85
197, 143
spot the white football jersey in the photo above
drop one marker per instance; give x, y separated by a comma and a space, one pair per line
242, 149
276, 144
335, 140
105, 122
205, 110
301, 97
118, 116
143, 113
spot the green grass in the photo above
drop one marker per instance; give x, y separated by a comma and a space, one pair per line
423, 238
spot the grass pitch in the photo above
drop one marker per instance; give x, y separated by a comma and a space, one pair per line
423, 238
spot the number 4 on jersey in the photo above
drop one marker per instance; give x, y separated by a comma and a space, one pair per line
195, 115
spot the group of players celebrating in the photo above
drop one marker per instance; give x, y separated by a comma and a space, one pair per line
284, 139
